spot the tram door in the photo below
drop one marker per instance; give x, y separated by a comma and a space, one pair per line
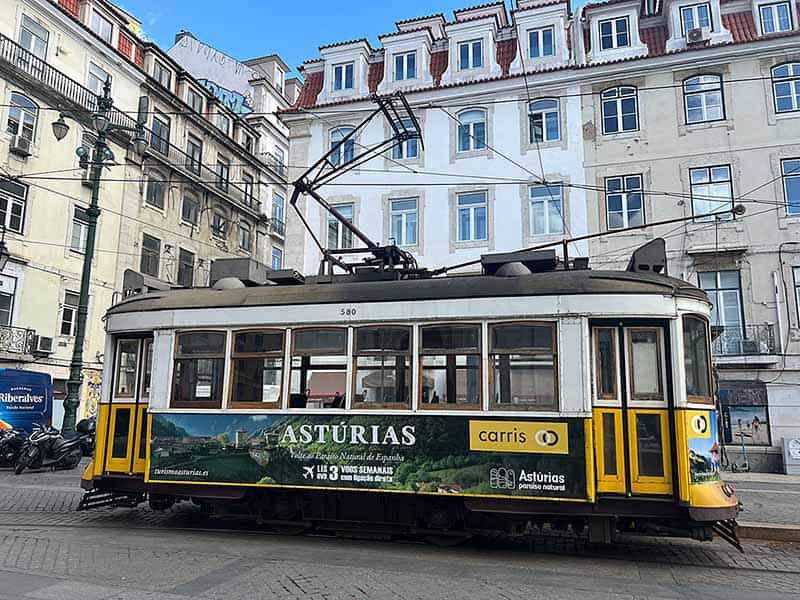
631, 410
126, 442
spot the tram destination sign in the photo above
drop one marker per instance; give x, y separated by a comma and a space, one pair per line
435, 454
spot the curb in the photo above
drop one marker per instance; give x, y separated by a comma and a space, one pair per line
776, 532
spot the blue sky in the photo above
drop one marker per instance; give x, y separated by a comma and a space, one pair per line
292, 29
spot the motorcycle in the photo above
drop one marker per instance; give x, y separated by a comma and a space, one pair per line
46, 447
11, 443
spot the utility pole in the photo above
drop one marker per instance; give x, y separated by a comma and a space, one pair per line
96, 158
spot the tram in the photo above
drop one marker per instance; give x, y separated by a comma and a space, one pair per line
518, 397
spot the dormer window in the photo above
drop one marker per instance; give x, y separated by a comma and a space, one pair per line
615, 33
405, 66
470, 55
223, 123
775, 17
343, 76
195, 100
101, 26
540, 42
162, 74
696, 16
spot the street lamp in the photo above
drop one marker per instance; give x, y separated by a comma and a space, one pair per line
96, 158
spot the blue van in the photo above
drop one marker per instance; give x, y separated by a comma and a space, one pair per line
26, 397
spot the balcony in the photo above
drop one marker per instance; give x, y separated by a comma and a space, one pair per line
747, 341
16, 342
276, 164
277, 228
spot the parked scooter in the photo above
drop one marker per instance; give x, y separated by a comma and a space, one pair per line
11, 443
46, 447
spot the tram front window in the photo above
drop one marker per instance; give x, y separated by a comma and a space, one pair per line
451, 371
645, 356
382, 359
523, 360
257, 362
199, 370
695, 359
319, 368
128, 351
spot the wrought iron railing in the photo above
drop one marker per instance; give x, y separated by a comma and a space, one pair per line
743, 340
17, 340
277, 227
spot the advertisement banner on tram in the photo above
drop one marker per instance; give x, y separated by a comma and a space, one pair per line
438, 454
703, 450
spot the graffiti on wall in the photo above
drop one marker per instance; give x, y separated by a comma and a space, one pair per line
239, 103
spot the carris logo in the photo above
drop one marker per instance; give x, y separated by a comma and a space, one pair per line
699, 424
546, 438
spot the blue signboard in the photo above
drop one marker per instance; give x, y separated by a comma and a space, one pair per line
26, 397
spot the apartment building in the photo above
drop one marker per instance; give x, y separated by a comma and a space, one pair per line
199, 192
630, 112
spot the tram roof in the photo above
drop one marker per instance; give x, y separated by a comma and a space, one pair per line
556, 283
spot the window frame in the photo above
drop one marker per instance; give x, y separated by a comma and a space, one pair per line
248, 189
339, 80
161, 125
29, 24
234, 356
547, 201
338, 150
796, 277
543, 112
717, 289
31, 112
603, 398
162, 74
194, 154
625, 193
150, 256
191, 198
472, 220
539, 32
403, 214
618, 100
223, 123
136, 369
409, 355
102, 20
470, 125
793, 79
83, 225
195, 100
280, 257
694, 9
633, 397
14, 200
12, 296
784, 180
74, 308
709, 379
340, 233
92, 72
213, 404
615, 32
443, 405
470, 45
702, 92
704, 218
402, 58
219, 225
245, 235
155, 183
346, 361
222, 173
773, 9
182, 264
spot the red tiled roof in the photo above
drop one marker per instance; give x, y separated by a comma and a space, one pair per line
439, 65
375, 76
72, 6
477, 7
346, 42
310, 90
425, 18
506, 53
741, 25
655, 38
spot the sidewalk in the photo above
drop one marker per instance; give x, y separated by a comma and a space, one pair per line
770, 505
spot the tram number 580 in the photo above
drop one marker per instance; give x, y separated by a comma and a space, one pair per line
348, 312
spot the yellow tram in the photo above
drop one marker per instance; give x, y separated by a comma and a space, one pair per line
430, 406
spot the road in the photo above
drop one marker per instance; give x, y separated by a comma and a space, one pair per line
770, 502
50, 552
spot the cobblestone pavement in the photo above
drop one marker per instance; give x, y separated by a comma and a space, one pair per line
50, 552
769, 502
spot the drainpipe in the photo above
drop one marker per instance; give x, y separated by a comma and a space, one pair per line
777, 287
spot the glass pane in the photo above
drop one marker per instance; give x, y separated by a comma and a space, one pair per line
126, 368
122, 420
320, 341
143, 436
695, 357
609, 444
198, 380
254, 342
451, 379
517, 337
386, 340
649, 445
606, 363
257, 380
383, 380
201, 343
524, 381
147, 374
646, 370
451, 339
318, 382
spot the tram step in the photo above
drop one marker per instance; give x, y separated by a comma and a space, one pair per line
728, 530
101, 498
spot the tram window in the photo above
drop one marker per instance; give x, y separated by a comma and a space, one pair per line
695, 359
122, 421
605, 350
523, 359
451, 366
609, 444
127, 359
645, 358
257, 362
199, 370
382, 358
319, 368
147, 372
650, 454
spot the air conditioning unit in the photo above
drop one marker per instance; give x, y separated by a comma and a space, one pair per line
698, 35
20, 145
43, 345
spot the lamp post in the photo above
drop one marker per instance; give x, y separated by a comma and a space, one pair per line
101, 155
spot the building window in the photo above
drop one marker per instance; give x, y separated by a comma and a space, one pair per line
702, 97
450, 361
470, 55
277, 258
796, 273
543, 121
194, 154
80, 230
12, 205
95, 81
69, 313
614, 33
185, 268
408, 149
712, 191
8, 288
343, 77
257, 363
404, 221
245, 237
219, 225
22, 116
198, 370
319, 368
33, 37
405, 66
696, 363
339, 237
223, 123
248, 189
624, 202
546, 216
162, 74
156, 191
195, 100
775, 17
190, 210
101, 26
382, 367
159, 138
790, 170
277, 208
471, 130
786, 87
540, 42
223, 174
696, 16
620, 110
472, 217
342, 150
724, 290
151, 255
249, 143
